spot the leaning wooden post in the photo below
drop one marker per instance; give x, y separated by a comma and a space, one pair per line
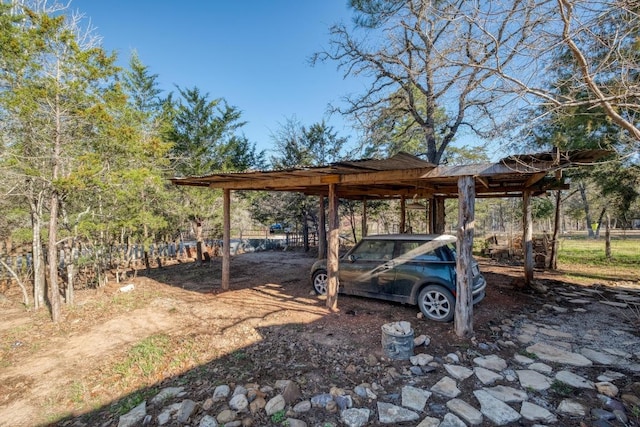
527, 240
322, 232
464, 299
226, 239
333, 249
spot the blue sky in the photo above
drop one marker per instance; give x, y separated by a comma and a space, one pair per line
254, 54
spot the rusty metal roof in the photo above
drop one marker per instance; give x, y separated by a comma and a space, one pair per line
405, 175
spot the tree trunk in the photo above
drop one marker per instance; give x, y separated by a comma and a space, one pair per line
607, 234
52, 258
68, 260
600, 218
198, 228
553, 259
464, 300
39, 271
305, 232
585, 204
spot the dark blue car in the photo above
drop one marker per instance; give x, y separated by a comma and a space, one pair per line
418, 269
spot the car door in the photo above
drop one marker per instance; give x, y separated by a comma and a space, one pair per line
416, 262
368, 268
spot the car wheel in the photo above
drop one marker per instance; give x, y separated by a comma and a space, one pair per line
437, 303
319, 280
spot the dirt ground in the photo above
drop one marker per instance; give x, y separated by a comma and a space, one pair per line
255, 332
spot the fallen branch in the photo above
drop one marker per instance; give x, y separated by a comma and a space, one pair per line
25, 295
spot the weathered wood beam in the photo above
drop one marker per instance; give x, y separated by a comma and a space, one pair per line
463, 319
332, 250
534, 178
527, 240
226, 237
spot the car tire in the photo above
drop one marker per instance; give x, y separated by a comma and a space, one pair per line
437, 303
319, 280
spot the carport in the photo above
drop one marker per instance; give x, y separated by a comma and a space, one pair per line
403, 177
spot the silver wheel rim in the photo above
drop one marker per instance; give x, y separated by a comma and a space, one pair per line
320, 283
436, 305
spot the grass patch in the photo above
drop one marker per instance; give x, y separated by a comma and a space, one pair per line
624, 252
528, 354
563, 389
145, 358
279, 417
128, 403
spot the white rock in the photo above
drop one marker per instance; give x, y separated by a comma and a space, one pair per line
392, 414
446, 387
451, 420
571, 407
574, 380
550, 353
534, 380
414, 397
134, 416
486, 376
541, 367
492, 362
507, 394
458, 372
275, 404
534, 412
465, 411
497, 411
429, 422
523, 360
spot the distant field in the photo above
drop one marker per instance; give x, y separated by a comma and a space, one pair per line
585, 257
624, 251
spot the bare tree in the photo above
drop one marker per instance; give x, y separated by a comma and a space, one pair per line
598, 38
433, 65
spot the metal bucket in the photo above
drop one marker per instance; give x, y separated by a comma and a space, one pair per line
397, 346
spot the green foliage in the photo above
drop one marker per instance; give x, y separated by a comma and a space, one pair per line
279, 417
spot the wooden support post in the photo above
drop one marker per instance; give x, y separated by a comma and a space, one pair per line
364, 217
527, 240
464, 300
333, 249
226, 238
440, 220
322, 232
403, 214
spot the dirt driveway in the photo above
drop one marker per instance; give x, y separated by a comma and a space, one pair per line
87, 363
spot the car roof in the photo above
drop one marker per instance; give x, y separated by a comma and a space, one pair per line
416, 237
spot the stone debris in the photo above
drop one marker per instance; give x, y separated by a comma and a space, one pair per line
424, 391
398, 328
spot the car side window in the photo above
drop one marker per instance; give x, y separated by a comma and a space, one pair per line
374, 250
415, 251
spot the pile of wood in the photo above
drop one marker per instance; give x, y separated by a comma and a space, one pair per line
511, 249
